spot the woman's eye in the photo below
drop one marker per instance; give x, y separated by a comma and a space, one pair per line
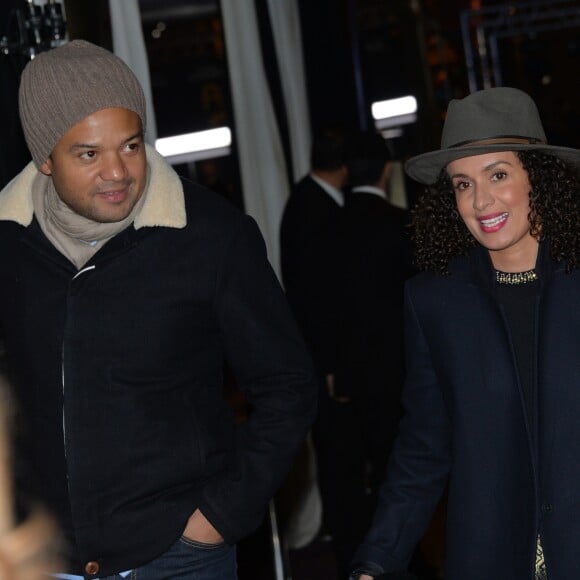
499, 175
87, 155
461, 185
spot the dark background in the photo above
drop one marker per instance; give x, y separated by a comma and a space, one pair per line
356, 52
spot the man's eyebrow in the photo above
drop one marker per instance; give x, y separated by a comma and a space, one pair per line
83, 146
138, 135
80, 145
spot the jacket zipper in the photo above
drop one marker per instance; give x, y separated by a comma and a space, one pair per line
62, 377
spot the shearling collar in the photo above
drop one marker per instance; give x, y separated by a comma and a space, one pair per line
164, 205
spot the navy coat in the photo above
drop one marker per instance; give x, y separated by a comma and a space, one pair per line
466, 425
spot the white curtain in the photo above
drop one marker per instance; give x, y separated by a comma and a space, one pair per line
129, 44
286, 30
264, 174
265, 178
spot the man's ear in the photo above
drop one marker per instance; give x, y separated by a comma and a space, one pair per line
46, 167
388, 171
344, 175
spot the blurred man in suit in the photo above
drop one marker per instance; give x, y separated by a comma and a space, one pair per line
310, 255
377, 261
310, 240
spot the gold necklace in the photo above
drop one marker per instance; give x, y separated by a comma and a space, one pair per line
515, 277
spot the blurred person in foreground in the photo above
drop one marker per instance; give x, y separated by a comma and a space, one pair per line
493, 333
29, 539
125, 294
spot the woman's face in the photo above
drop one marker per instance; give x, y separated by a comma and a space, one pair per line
492, 192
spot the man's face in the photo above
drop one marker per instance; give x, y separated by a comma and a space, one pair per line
99, 167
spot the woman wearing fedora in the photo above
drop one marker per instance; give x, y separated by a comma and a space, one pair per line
492, 396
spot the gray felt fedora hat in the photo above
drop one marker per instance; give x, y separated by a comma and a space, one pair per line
498, 119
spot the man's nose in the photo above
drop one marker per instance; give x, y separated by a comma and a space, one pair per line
114, 168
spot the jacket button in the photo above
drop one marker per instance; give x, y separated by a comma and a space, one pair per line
92, 568
547, 508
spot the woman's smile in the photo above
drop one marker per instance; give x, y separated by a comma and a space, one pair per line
494, 222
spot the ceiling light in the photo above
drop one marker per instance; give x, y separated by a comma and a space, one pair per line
195, 146
394, 112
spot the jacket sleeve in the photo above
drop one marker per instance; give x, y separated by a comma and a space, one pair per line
419, 464
271, 367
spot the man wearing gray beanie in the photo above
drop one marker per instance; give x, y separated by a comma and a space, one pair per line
125, 293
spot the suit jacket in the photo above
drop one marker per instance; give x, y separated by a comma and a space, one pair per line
466, 422
376, 263
310, 261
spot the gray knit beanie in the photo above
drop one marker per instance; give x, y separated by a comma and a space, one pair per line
64, 85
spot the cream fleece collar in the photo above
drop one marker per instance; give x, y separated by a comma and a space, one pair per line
164, 205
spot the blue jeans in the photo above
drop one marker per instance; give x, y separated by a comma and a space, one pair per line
189, 560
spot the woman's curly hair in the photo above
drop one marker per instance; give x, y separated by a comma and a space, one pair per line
439, 233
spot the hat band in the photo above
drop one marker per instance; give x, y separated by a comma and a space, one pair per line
499, 140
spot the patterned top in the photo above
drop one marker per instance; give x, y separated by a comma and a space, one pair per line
541, 572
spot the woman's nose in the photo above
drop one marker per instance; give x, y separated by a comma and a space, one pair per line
482, 199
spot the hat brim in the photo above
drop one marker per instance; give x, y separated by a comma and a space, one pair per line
425, 168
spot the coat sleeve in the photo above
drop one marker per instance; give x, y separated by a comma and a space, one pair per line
419, 464
271, 367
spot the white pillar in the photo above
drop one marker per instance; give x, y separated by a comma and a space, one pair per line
129, 44
262, 165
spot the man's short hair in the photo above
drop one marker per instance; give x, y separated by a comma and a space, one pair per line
368, 154
328, 150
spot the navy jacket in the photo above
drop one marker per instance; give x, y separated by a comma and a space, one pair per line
466, 424
119, 372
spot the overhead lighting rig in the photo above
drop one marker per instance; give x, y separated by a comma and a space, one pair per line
34, 28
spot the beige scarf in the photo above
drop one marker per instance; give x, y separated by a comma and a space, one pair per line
74, 236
